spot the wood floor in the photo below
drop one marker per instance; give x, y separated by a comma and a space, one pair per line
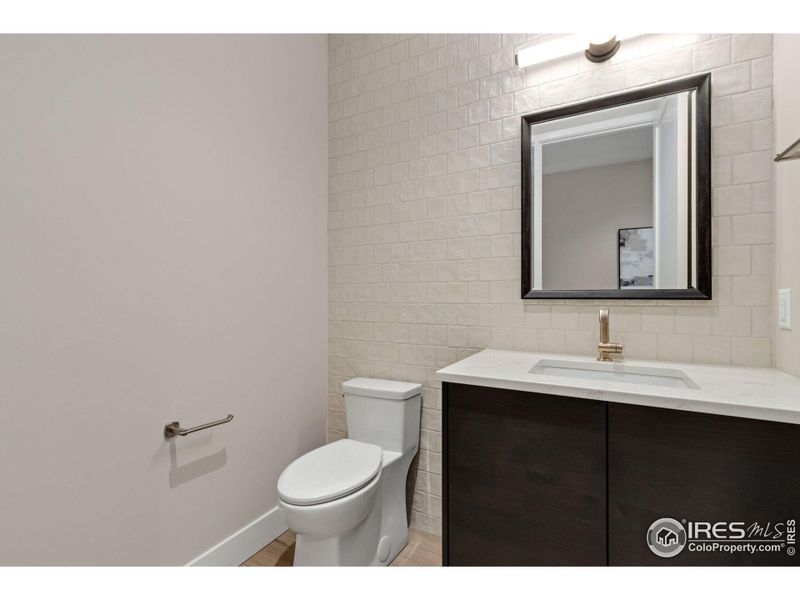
423, 550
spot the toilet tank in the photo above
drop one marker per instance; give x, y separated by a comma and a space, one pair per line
383, 412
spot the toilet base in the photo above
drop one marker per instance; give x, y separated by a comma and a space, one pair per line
357, 547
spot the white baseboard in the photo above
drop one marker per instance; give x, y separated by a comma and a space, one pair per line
236, 549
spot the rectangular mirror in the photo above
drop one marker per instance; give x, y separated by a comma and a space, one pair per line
616, 196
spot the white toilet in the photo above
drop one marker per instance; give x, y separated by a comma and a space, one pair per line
347, 500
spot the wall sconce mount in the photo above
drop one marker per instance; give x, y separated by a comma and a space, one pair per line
596, 48
601, 52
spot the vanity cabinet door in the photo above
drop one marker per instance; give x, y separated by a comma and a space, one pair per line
524, 478
698, 467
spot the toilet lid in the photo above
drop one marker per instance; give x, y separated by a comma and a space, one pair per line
329, 472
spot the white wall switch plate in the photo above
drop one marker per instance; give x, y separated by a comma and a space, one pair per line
785, 308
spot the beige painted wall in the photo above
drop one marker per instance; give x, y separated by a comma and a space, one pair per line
787, 197
424, 203
163, 257
583, 211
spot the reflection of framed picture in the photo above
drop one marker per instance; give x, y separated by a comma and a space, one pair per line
635, 258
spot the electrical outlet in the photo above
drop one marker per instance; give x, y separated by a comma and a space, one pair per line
785, 308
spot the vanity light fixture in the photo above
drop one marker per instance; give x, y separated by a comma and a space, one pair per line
596, 47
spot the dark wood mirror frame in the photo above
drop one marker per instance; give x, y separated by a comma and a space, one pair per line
700, 271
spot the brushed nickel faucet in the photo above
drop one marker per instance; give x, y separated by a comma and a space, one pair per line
604, 348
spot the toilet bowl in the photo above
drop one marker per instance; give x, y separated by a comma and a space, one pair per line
347, 500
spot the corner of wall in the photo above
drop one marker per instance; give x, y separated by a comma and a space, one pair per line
787, 195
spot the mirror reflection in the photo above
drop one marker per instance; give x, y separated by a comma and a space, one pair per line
612, 197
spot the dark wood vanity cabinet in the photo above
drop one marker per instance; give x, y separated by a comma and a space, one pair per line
533, 479
525, 478
701, 468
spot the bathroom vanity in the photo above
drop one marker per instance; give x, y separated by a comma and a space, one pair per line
562, 460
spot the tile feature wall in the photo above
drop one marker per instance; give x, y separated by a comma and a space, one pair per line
424, 212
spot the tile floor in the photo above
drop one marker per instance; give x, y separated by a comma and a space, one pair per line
423, 550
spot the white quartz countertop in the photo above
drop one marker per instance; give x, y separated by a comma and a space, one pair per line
766, 394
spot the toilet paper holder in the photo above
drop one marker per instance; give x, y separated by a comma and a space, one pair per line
173, 429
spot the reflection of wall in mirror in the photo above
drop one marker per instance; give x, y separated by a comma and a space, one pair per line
582, 212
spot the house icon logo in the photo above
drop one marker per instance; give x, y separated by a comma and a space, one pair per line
666, 537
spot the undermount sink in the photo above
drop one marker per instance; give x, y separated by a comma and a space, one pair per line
615, 372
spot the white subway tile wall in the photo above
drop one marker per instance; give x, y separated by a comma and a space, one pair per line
424, 207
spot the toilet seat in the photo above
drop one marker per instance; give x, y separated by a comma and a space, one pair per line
329, 472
